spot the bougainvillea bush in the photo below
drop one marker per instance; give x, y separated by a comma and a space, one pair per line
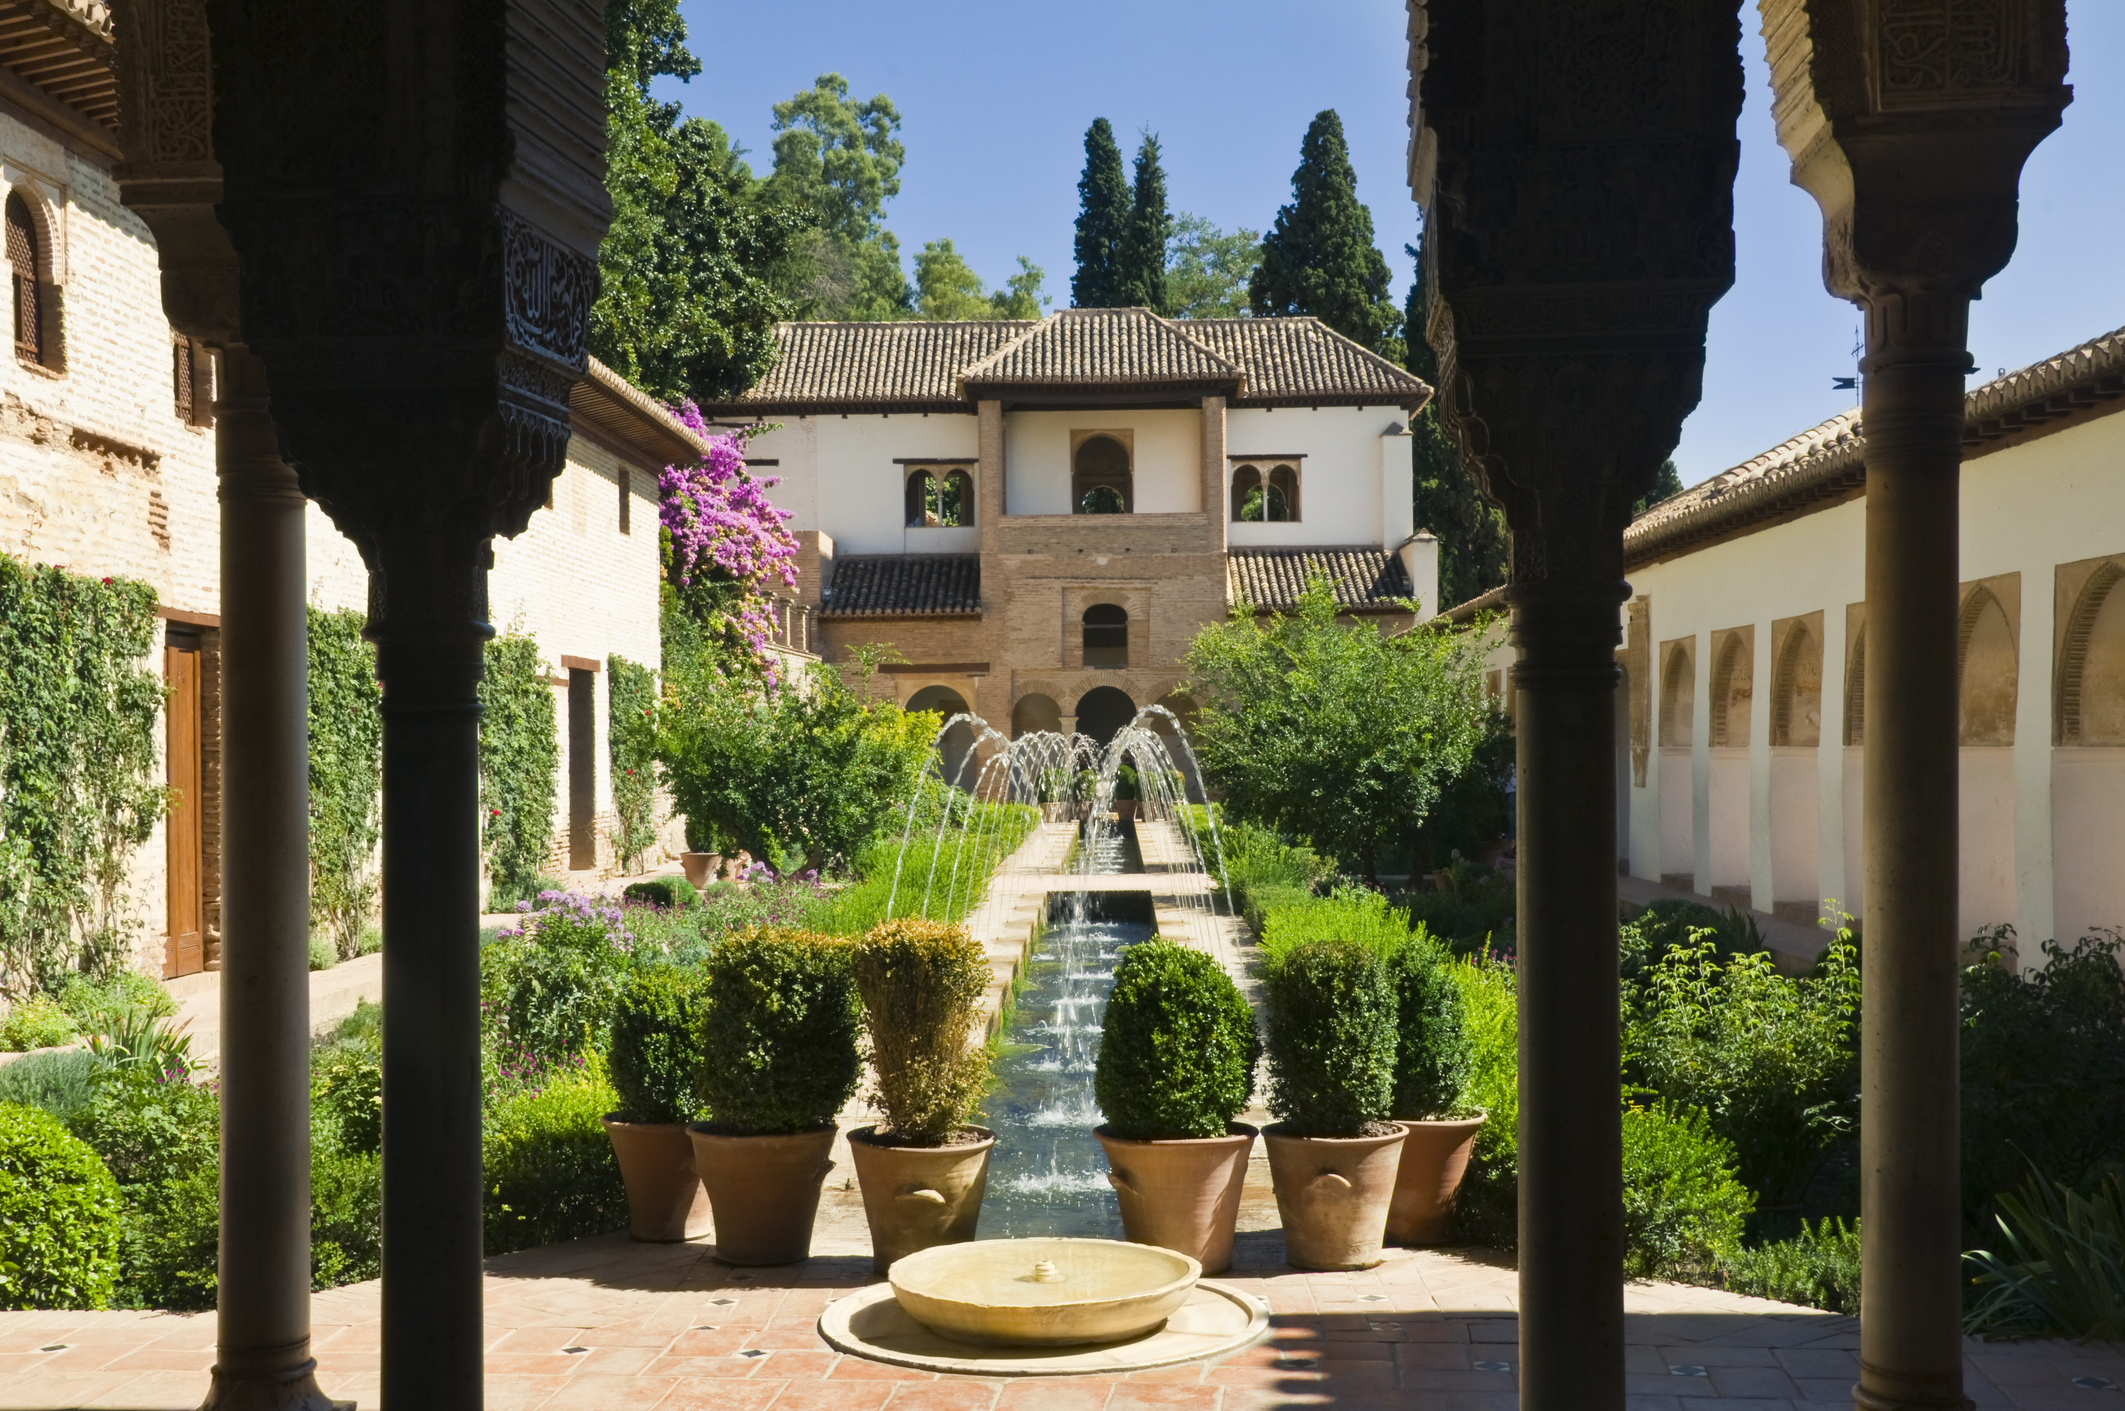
724, 541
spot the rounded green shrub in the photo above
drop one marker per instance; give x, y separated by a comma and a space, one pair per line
1331, 1038
922, 983
33, 1022
59, 1215
667, 892
550, 1171
1177, 1048
778, 1052
1683, 1206
1434, 1055
657, 1043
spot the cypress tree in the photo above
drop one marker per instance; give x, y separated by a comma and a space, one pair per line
1471, 530
1102, 221
1141, 272
1319, 257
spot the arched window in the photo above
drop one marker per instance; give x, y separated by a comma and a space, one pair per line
1106, 635
25, 259
1100, 482
1246, 494
939, 499
1272, 498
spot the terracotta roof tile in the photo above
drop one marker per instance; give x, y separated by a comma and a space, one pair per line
875, 364
1079, 346
1359, 578
1291, 359
904, 585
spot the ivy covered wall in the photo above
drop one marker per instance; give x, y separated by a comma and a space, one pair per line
520, 760
346, 778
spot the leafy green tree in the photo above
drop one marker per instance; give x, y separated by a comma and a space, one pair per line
1140, 262
1330, 731
1207, 270
947, 287
1021, 295
1102, 221
687, 301
1319, 257
1473, 546
1667, 485
838, 159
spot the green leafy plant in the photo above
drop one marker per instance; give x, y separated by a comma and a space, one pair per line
1683, 1208
346, 780
943, 872
1331, 1039
35, 1021
323, 955
59, 1216
550, 1171
658, 1039
137, 1039
549, 983
160, 1136
80, 776
1433, 1053
1354, 914
347, 1098
520, 759
1177, 1047
1487, 1209
632, 746
779, 1047
96, 1002
1472, 911
922, 984
1668, 924
667, 892
60, 1083
1819, 1267
2060, 1271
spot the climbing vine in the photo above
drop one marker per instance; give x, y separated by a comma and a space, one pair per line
78, 786
346, 778
632, 738
520, 761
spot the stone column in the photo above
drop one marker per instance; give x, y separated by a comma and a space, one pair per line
1910, 132
1566, 366
1216, 504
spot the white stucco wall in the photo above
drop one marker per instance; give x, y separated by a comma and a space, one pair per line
1340, 496
843, 475
1165, 465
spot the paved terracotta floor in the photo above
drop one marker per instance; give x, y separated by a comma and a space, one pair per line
667, 1327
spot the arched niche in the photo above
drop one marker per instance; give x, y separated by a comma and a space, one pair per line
1856, 688
1106, 635
956, 749
1100, 478
2092, 663
1103, 711
1986, 670
1796, 702
1678, 695
1732, 669
1033, 713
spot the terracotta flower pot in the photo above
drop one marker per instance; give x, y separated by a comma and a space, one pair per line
1433, 1160
1125, 809
1181, 1194
665, 1199
764, 1191
918, 1196
1332, 1195
702, 868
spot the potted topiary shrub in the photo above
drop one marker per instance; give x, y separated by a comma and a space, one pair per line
778, 1058
1333, 1154
924, 1169
1176, 1064
1433, 1059
703, 858
655, 1057
1126, 792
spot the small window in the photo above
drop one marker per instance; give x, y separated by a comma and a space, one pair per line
626, 500
1258, 498
191, 381
1100, 482
937, 498
25, 259
1106, 635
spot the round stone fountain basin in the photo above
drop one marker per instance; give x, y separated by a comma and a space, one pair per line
1043, 1292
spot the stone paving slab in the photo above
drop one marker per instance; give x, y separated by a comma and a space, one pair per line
667, 1327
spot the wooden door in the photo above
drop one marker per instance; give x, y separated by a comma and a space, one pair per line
185, 953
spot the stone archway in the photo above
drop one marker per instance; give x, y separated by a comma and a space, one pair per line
1103, 711
957, 746
1034, 712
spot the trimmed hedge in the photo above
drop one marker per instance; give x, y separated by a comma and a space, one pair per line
778, 1052
1177, 1046
671, 893
922, 983
1433, 1054
550, 1171
658, 1039
1331, 1038
59, 1216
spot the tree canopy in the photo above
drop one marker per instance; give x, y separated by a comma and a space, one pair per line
1102, 221
1319, 257
1473, 546
1207, 270
1334, 732
947, 288
1141, 263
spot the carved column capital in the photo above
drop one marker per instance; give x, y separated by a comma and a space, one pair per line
1576, 166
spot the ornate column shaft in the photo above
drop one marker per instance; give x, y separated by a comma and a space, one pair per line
415, 195
1909, 125
1576, 165
171, 180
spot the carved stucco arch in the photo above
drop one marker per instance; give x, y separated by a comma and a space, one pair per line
1678, 694
1800, 650
1734, 655
1856, 690
1985, 701
2073, 686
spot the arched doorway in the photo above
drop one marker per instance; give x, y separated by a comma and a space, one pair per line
1183, 706
1103, 711
1100, 479
1034, 713
958, 742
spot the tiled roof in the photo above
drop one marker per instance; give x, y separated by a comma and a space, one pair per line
904, 585
1359, 578
1292, 359
1825, 463
885, 367
1080, 346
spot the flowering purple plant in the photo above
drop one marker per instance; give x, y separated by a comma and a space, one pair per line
571, 918
722, 524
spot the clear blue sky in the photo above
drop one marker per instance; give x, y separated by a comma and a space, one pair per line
995, 99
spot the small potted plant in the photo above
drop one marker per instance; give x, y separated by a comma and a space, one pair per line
924, 1169
703, 858
1176, 1065
654, 1056
1126, 791
1333, 1153
778, 1059
1433, 1059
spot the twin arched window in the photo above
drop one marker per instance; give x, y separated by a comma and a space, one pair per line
1106, 635
939, 498
1100, 479
1265, 498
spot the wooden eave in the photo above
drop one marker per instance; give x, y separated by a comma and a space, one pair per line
66, 58
617, 415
